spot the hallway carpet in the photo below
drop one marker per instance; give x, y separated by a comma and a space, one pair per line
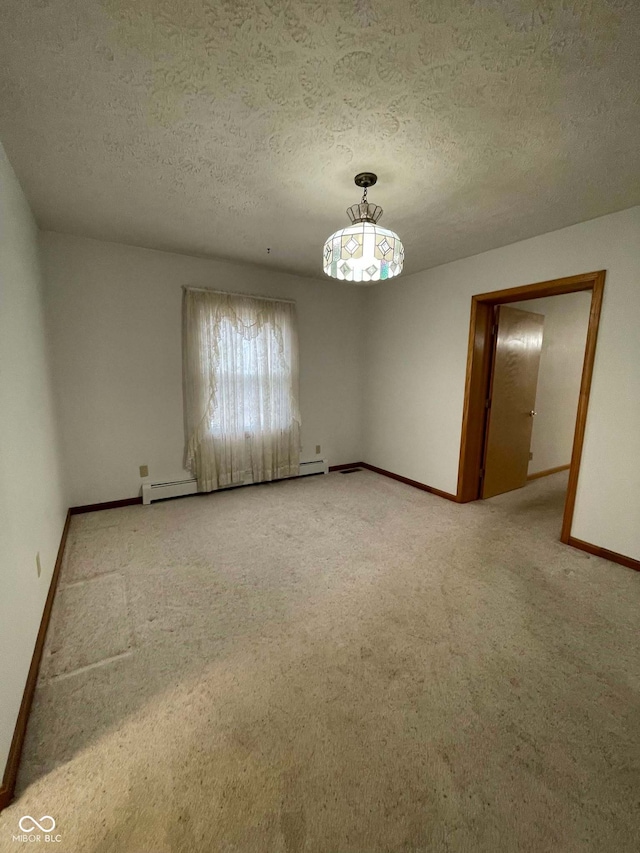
339, 664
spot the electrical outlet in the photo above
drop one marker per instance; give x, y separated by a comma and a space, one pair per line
38, 566
530, 457
144, 470
318, 448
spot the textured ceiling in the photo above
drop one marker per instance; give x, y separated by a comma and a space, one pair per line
223, 127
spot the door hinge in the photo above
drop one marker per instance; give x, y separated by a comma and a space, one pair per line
487, 404
494, 329
482, 470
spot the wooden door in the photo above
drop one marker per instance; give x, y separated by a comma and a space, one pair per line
512, 400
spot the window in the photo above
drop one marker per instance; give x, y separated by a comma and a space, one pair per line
264, 405
241, 388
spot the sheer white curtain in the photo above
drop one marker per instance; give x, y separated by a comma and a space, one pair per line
241, 388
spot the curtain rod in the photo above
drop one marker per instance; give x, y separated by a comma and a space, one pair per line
231, 293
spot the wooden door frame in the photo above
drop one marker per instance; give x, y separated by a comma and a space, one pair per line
478, 376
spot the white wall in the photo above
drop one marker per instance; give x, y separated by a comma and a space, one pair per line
32, 502
115, 314
566, 319
416, 350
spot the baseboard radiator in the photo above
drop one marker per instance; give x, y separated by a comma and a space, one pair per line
318, 466
178, 488
160, 491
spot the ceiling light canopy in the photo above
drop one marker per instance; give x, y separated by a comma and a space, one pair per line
363, 252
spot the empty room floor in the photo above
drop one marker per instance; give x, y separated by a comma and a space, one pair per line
340, 664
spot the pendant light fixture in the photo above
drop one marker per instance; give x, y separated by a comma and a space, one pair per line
363, 252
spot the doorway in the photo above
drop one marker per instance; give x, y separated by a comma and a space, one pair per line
482, 372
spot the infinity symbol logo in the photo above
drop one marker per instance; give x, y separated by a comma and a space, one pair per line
34, 823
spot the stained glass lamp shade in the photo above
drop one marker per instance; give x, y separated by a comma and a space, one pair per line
363, 252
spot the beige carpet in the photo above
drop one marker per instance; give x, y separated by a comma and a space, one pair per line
337, 664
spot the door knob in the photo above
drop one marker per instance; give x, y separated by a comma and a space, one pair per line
532, 414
